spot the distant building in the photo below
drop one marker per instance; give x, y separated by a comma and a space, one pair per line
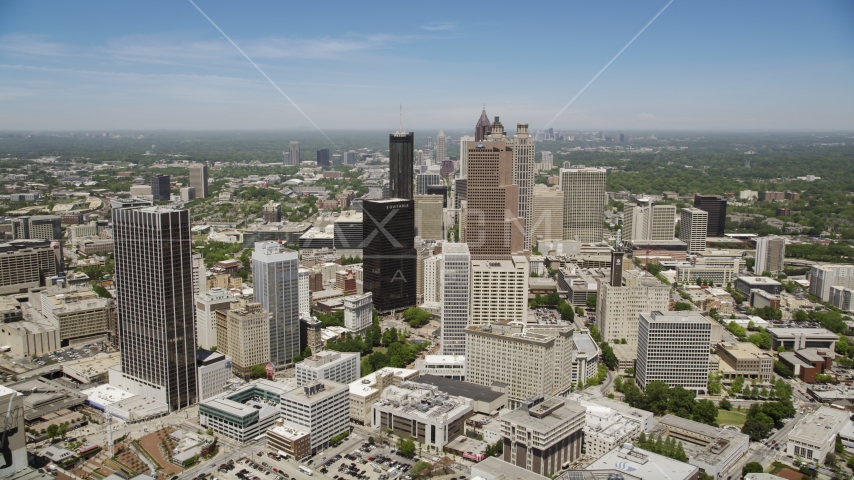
584, 203
799, 338
547, 220
646, 221
323, 157
188, 194
715, 206
272, 212
160, 188
770, 254
693, 227
294, 151
199, 179
27, 264
822, 277
618, 306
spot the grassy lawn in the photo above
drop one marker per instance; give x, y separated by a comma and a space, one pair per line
731, 417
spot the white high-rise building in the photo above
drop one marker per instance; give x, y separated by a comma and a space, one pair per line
692, 229
770, 253
584, 201
618, 306
214, 373
673, 347
441, 152
499, 290
431, 176
524, 157
304, 291
547, 160
341, 367
207, 305
822, 277
456, 297
432, 277
275, 273
548, 213
358, 312
647, 221
464, 155
200, 274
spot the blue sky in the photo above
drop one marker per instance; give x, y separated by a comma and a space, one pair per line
722, 65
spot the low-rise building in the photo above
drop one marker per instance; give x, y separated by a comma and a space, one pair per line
289, 440
485, 400
367, 390
799, 338
494, 468
320, 408
449, 366
642, 464
543, 434
91, 370
341, 367
744, 359
766, 284
78, 313
246, 413
808, 362
713, 450
812, 438
214, 372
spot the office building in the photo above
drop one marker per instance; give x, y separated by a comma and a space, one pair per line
401, 162
26, 264
337, 160
642, 464
423, 412
323, 157
247, 334
745, 285
716, 267
79, 314
746, 360
358, 313
460, 194
499, 290
547, 219
214, 372
584, 201
286, 158
494, 230
813, 437
328, 365
428, 217
199, 179
482, 127
822, 277
543, 434
294, 151
389, 252
485, 400
610, 423
271, 212
441, 147
427, 179
531, 362
618, 306
842, 298
160, 188
292, 441
447, 366
456, 297
154, 297
320, 408
770, 254
464, 152
275, 275
432, 277
524, 157
347, 231
673, 347
367, 390
692, 229
207, 304
14, 445
715, 206
799, 338
808, 362
37, 227
647, 221
546, 160
243, 414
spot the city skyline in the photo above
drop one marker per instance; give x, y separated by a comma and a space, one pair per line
162, 65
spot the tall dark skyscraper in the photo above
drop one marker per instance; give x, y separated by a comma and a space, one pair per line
483, 127
160, 190
401, 161
154, 299
323, 157
388, 251
715, 206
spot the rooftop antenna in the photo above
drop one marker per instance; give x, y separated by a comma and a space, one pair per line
401, 118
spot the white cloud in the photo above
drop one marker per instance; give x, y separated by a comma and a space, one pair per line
437, 26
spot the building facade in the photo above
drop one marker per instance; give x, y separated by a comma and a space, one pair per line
207, 304
248, 333
456, 297
389, 258
338, 367
715, 206
647, 221
320, 408
584, 201
499, 290
428, 217
618, 306
275, 275
547, 215
358, 313
770, 254
673, 347
199, 179
401, 161
160, 188
692, 229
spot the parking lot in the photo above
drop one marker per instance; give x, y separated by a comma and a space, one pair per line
68, 353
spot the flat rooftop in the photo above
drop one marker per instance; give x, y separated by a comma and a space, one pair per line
544, 423
366, 385
459, 388
644, 464
493, 467
819, 427
807, 332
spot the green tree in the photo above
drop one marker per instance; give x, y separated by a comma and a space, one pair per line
406, 447
761, 340
52, 431
706, 412
752, 467
781, 369
307, 352
682, 306
608, 357
737, 384
725, 404
101, 291
258, 371
590, 302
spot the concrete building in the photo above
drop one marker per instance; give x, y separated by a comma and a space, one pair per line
294, 150
328, 365
320, 408
692, 229
79, 314
542, 435
207, 304
584, 203
813, 437
448, 366
291, 441
606, 429
715, 206
26, 264
716, 266
618, 306
14, 445
347, 231
37, 227
188, 194
822, 277
485, 400
578, 284
770, 254
493, 468
528, 362
358, 313
642, 464
271, 212
646, 221
367, 390
547, 212
426, 179
524, 157
432, 278
244, 414
275, 275
428, 217
499, 290
199, 179
248, 333
746, 360
423, 412
303, 277
673, 347
713, 450
746, 284
808, 362
214, 373
799, 338
456, 297
842, 298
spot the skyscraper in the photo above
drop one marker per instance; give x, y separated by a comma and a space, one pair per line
199, 179
583, 204
494, 230
275, 273
464, 154
388, 252
481, 129
673, 347
294, 151
160, 188
323, 157
547, 217
456, 297
647, 221
441, 146
692, 229
401, 158
524, 156
154, 300
715, 206
770, 252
